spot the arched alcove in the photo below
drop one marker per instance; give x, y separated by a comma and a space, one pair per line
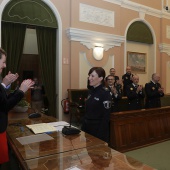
140, 38
139, 32
51, 16
29, 12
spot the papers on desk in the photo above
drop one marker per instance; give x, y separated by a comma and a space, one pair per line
58, 125
41, 128
34, 138
47, 127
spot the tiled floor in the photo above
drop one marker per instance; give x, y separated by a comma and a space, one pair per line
156, 156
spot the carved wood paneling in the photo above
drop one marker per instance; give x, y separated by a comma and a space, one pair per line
135, 129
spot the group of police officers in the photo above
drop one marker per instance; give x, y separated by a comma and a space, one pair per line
136, 94
105, 93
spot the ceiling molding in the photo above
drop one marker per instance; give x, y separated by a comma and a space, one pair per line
141, 8
92, 38
164, 48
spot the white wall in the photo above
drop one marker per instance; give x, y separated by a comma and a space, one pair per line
167, 77
84, 67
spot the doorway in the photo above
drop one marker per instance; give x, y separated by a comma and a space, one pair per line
58, 53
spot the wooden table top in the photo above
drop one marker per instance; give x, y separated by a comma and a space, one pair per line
97, 157
60, 143
82, 151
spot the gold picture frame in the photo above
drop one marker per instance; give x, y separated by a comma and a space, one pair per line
137, 62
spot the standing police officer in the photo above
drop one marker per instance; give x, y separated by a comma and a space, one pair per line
127, 79
116, 92
135, 94
97, 107
154, 92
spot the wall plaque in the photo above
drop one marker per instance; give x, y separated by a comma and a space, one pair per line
96, 15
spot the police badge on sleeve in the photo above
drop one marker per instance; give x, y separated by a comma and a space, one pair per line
107, 104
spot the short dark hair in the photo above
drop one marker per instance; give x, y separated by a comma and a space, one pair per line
112, 69
100, 71
109, 76
2, 52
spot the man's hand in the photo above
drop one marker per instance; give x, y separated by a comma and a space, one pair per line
139, 88
26, 84
119, 81
161, 90
10, 78
114, 91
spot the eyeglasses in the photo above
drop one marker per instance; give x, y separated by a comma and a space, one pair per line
109, 79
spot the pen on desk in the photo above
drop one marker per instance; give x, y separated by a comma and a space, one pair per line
48, 132
21, 128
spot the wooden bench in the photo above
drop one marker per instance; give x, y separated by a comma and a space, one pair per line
74, 96
134, 129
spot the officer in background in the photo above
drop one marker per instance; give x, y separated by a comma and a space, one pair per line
135, 94
97, 107
127, 79
37, 96
154, 92
113, 73
116, 92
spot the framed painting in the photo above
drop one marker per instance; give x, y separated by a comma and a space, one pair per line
137, 61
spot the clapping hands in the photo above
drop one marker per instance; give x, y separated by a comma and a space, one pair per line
26, 84
10, 78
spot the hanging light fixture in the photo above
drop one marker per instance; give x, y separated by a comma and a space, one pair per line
98, 53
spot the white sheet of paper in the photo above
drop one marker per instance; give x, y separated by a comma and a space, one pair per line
59, 125
41, 128
34, 138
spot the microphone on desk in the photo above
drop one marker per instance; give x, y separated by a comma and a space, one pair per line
68, 130
34, 114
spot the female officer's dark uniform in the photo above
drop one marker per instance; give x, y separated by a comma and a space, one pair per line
97, 114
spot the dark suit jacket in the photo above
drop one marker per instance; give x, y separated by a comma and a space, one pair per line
134, 99
126, 81
115, 100
7, 102
152, 95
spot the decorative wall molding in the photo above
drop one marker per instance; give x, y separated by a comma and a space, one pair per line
142, 15
92, 38
164, 48
168, 32
141, 8
96, 15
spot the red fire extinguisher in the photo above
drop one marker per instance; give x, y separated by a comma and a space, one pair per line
65, 105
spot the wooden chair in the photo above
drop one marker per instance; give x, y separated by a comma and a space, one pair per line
77, 99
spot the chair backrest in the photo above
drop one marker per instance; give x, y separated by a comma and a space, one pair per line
77, 95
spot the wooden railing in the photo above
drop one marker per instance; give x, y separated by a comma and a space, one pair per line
135, 129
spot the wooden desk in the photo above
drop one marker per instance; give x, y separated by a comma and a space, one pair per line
97, 157
83, 150
59, 144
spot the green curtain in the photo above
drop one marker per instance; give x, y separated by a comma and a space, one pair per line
13, 36
46, 39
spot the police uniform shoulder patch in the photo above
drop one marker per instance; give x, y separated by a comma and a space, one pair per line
105, 88
107, 104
